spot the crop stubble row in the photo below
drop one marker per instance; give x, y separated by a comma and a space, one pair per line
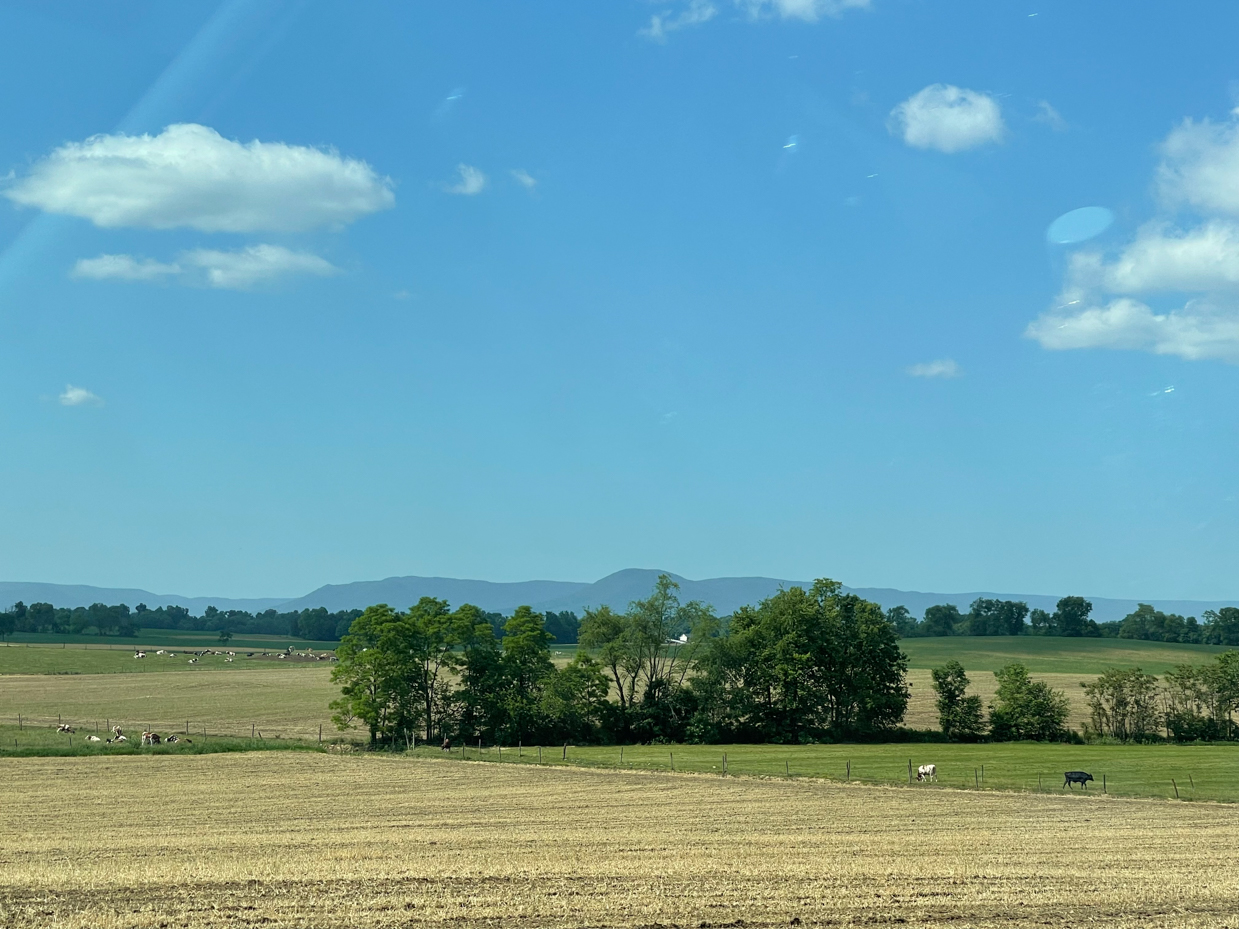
325, 841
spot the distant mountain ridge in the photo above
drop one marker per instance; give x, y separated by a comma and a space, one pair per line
616, 590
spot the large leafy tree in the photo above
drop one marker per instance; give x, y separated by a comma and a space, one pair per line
1026, 709
996, 617
1071, 618
803, 666
375, 674
959, 715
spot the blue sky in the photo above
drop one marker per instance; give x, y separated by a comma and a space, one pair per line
550, 289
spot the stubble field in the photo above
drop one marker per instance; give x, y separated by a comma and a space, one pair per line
326, 841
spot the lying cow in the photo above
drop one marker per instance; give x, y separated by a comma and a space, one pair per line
927, 772
1077, 777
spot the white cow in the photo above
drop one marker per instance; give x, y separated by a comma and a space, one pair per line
927, 772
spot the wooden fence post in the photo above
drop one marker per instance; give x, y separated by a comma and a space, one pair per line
909, 770
787, 767
1103, 784
1176, 788
724, 764
976, 778
982, 774
621, 754
539, 754
672, 754
849, 770
565, 751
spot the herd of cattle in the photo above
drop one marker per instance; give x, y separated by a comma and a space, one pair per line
118, 736
229, 656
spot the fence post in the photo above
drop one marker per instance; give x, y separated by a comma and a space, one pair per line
253, 726
520, 749
982, 773
724, 764
565, 751
479, 749
1103, 784
909, 770
787, 767
1172, 784
1190, 781
539, 754
501, 753
1038, 783
849, 770
672, 754
320, 734
976, 778
621, 754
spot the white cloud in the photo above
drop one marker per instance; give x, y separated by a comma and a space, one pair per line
696, 13
79, 396
123, 268
191, 176
257, 264
948, 118
1106, 298
524, 178
1049, 116
472, 181
943, 367
1197, 331
808, 10
1200, 166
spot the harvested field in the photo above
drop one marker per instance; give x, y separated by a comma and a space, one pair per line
323, 841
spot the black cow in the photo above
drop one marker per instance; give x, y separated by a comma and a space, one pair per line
1077, 777
447, 744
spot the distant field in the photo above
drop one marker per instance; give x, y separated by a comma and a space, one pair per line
277, 699
299, 840
90, 658
1053, 654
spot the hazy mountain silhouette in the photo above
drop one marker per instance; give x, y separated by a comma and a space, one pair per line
616, 590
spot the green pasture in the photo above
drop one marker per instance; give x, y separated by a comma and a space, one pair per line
1053, 654
44, 740
1199, 771
164, 638
94, 658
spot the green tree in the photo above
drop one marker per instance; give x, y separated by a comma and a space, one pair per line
8, 624
1040, 623
1071, 617
901, 618
435, 635
996, 617
959, 715
940, 620
527, 667
376, 672
1024, 709
1123, 704
802, 666
574, 700
225, 636
1221, 626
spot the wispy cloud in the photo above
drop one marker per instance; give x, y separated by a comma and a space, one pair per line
948, 119
122, 268
240, 269
524, 178
472, 181
696, 13
79, 396
808, 10
1047, 115
189, 176
943, 367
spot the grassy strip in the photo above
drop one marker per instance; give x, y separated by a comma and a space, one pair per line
1190, 772
1054, 654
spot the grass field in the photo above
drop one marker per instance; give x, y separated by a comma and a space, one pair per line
1052, 654
293, 840
94, 659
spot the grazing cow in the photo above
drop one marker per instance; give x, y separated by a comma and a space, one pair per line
927, 772
447, 744
117, 730
93, 738
65, 727
1077, 777
150, 738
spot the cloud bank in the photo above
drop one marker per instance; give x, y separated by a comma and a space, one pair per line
189, 176
1107, 298
948, 118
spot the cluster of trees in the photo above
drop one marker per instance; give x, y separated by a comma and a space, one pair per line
1022, 709
1070, 618
1193, 703
102, 619
997, 617
801, 666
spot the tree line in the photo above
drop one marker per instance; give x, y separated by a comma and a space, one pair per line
802, 666
317, 624
989, 617
1193, 703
